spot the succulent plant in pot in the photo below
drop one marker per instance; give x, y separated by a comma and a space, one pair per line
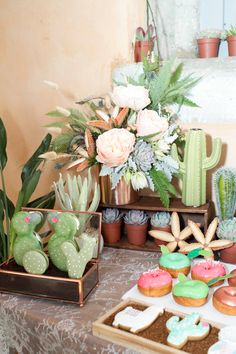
136, 222
144, 42
111, 225
161, 221
227, 230
208, 42
230, 36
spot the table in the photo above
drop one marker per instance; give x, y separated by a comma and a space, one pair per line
35, 326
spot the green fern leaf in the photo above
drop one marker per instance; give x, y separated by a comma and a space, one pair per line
177, 73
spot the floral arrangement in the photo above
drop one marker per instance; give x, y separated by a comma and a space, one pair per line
129, 132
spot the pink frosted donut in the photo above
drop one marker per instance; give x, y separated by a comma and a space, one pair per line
155, 282
207, 270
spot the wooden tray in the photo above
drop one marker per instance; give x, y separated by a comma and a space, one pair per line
133, 341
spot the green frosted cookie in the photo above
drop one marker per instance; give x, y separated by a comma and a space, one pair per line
35, 262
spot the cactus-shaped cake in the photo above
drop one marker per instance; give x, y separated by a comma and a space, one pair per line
224, 183
62, 248
28, 249
195, 165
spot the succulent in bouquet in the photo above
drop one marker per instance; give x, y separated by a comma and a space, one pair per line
129, 132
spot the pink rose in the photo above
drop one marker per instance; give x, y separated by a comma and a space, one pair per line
114, 147
149, 122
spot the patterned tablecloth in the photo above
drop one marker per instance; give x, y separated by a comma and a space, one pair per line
33, 326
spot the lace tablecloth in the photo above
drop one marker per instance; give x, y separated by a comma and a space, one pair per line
32, 326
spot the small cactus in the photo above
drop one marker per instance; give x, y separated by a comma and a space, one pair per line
111, 216
160, 219
136, 217
227, 230
224, 183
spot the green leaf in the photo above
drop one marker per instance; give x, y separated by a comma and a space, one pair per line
206, 253
194, 253
56, 114
184, 101
177, 73
46, 201
57, 124
182, 277
32, 164
62, 142
3, 145
162, 185
215, 280
164, 249
29, 187
10, 205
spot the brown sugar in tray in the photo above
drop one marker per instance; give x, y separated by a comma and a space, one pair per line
157, 332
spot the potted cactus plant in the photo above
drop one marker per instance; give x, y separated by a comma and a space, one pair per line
227, 231
208, 42
144, 43
224, 184
230, 36
136, 222
160, 221
111, 225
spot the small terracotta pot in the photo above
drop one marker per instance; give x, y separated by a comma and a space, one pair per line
208, 47
111, 232
228, 255
166, 228
142, 48
231, 45
136, 234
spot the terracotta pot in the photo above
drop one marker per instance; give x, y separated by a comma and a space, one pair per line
136, 234
208, 47
142, 48
122, 194
228, 255
166, 228
231, 45
111, 232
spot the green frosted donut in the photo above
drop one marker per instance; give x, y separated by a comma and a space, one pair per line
35, 262
174, 260
195, 289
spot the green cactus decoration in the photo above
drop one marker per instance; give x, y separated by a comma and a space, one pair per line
28, 249
76, 261
224, 184
195, 165
65, 226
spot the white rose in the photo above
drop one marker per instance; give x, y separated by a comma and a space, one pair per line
134, 97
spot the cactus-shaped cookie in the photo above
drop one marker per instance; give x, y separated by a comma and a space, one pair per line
76, 261
28, 249
65, 226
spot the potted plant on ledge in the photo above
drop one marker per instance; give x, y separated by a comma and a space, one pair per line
111, 225
136, 227
144, 43
208, 42
231, 40
161, 221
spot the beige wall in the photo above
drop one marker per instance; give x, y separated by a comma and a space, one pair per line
74, 43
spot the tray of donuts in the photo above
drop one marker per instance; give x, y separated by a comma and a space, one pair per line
151, 328
192, 283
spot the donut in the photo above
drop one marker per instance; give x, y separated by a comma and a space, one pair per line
232, 281
155, 282
190, 293
224, 300
207, 270
175, 263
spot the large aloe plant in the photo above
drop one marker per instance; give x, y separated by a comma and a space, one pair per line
30, 176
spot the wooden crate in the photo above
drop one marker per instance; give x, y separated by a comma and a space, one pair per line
133, 341
203, 215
